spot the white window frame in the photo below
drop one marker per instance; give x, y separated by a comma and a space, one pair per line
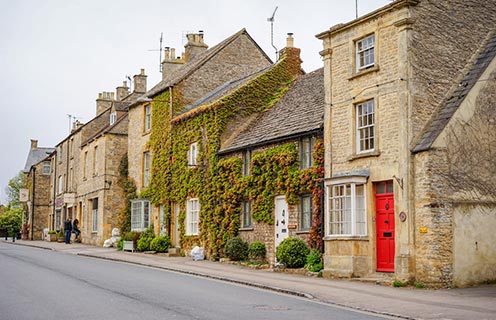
246, 221
148, 117
306, 152
365, 52
146, 168
60, 185
346, 213
85, 165
192, 217
46, 168
246, 162
94, 215
113, 117
365, 126
140, 214
306, 211
161, 221
193, 154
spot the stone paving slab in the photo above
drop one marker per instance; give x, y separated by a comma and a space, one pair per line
406, 303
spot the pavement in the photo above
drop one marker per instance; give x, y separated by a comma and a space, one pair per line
404, 303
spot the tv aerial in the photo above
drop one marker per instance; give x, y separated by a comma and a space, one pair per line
271, 20
160, 52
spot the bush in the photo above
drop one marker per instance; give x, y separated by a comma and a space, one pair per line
236, 249
120, 244
145, 238
292, 252
314, 261
257, 251
160, 244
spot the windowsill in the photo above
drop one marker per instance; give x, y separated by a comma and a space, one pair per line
191, 235
246, 229
94, 232
303, 232
365, 71
374, 153
192, 166
346, 238
145, 133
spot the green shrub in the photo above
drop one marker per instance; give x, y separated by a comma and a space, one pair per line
398, 283
257, 251
236, 249
120, 244
145, 238
419, 285
160, 244
292, 252
314, 261
52, 232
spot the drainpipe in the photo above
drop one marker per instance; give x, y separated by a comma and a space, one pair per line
54, 193
33, 202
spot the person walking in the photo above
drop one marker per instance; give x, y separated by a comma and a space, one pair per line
68, 230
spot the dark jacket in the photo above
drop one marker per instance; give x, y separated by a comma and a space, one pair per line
67, 225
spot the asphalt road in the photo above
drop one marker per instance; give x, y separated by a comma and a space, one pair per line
42, 284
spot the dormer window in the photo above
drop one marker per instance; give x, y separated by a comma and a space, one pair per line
365, 52
113, 117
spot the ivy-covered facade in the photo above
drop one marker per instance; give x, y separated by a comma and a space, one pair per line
206, 190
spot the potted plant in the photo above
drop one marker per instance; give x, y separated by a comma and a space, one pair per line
60, 236
52, 236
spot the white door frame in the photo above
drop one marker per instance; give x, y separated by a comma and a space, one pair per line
281, 215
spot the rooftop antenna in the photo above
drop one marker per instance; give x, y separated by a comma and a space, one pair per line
72, 118
271, 20
160, 53
356, 8
130, 82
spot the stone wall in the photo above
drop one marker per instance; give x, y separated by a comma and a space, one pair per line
137, 144
40, 202
238, 59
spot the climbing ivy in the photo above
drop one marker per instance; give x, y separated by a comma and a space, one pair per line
129, 189
211, 181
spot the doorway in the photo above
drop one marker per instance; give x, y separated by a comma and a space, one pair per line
281, 221
384, 205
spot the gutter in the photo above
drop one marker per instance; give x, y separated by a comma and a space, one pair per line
271, 141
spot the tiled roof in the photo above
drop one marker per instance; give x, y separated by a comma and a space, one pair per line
299, 111
449, 106
194, 64
224, 90
35, 156
118, 127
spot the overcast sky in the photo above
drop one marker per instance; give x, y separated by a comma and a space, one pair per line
57, 55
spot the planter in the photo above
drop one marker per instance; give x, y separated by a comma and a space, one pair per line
59, 239
128, 246
52, 237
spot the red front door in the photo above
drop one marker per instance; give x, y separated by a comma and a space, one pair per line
384, 204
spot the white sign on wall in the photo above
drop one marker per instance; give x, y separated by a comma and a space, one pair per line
23, 195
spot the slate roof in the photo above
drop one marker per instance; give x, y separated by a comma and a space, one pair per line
448, 108
299, 111
118, 127
194, 64
224, 90
35, 156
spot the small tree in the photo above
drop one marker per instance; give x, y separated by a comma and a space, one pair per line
12, 190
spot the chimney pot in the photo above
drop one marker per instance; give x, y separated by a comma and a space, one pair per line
290, 40
34, 144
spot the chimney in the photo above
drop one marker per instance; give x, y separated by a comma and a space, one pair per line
34, 144
76, 125
122, 91
140, 82
170, 63
104, 102
290, 50
195, 45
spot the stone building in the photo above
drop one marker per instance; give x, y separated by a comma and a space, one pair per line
85, 166
202, 191
386, 75
198, 71
294, 125
99, 198
37, 176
